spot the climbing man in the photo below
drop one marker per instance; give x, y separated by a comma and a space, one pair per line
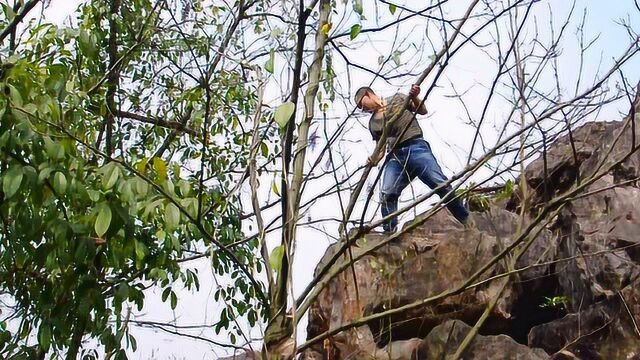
410, 155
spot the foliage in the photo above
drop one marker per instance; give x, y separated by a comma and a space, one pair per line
85, 229
475, 201
506, 192
555, 302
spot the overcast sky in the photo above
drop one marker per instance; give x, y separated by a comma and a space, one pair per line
444, 128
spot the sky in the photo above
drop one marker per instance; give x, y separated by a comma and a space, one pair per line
445, 128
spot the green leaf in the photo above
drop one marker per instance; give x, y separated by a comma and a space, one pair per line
276, 32
103, 220
4, 138
171, 216
169, 187
141, 250
161, 168
111, 176
275, 259
396, 57
141, 187
60, 183
158, 274
54, 150
93, 195
392, 8
269, 65
121, 355
134, 343
174, 301
142, 165
31, 109
165, 294
86, 43
190, 205
44, 337
357, 6
283, 113
151, 207
20, 116
9, 12
184, 188
123, 291
11, 181
126, 191
355, 30
16, 98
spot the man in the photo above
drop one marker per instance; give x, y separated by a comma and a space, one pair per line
410, 155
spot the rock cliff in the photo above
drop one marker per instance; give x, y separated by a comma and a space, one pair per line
576, 294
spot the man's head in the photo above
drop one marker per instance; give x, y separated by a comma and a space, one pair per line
366, 99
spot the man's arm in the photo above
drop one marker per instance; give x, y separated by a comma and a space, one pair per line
376, 124
416, 104
374, 158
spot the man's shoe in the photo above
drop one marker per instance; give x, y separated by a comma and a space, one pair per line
389, 232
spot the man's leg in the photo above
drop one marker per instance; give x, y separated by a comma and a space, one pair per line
394, 180
426, 167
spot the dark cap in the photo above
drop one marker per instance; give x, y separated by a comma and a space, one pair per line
360, 94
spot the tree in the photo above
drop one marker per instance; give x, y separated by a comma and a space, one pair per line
108, 174
145, 136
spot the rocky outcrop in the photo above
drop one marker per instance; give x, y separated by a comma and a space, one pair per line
436, 256
577, 296
444, 339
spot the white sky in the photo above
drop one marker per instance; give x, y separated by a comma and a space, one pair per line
444, 128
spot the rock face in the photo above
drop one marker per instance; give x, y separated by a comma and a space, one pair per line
443, 340
433, 258
579, 296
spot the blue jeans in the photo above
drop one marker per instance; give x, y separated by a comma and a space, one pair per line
415, 159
